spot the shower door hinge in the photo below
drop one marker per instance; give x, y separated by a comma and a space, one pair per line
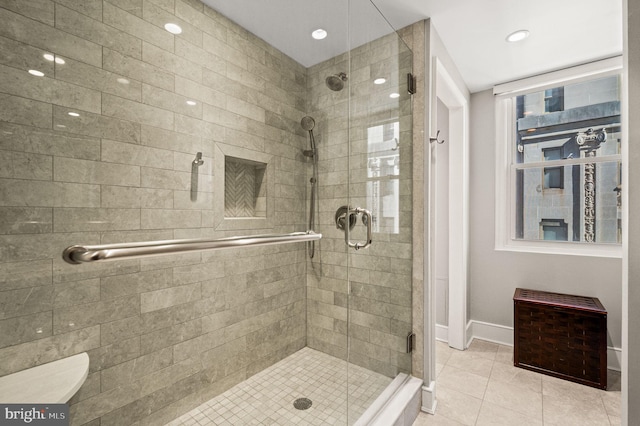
411, 337
411, 84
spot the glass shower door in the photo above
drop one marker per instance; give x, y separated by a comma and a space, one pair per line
379, 193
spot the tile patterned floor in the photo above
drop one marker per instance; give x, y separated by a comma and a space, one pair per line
480, 387
267, 397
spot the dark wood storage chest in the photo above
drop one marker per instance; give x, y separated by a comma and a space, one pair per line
561, 335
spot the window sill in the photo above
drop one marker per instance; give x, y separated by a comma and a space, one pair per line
562, 248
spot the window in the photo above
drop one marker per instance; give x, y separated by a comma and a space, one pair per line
554, 99
555, 230
383, 176
553, 176
559, 170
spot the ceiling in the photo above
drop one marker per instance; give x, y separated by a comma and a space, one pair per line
563, 32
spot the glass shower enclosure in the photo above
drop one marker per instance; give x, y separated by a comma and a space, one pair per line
153, 148
359, 283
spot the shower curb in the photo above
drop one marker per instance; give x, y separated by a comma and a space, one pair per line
398, 405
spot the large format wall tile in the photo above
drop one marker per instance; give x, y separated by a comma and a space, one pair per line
97, 32
82, 171
117, 62
134, 111
26, 139
19, 110
48, 194
22, 29
95, 125
47, 89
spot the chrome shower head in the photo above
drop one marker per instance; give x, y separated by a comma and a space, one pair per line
335, 82
307, 123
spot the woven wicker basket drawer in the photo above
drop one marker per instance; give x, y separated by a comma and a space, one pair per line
561, 335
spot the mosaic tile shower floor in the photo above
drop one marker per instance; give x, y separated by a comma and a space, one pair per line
267, 397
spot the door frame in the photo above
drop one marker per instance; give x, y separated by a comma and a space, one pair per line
451, 96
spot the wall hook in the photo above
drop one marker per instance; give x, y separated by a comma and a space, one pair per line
431, 140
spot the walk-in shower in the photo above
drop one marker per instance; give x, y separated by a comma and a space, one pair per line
146, 153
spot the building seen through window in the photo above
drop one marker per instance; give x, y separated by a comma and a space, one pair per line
566, 163
553, 176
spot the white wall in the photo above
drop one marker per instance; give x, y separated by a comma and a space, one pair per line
494, 276
441, 254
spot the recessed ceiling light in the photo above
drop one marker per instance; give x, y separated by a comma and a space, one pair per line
62, 126
36, 73
73, 114
394, 95
59, 60
517, 36
319, 34
379, 81
122, 80
173, 28
191, 103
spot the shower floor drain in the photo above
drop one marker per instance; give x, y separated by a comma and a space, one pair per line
302, 403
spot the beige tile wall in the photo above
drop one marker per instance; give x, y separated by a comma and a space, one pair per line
380, 304
162, 334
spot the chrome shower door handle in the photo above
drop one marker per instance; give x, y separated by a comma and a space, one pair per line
366, 218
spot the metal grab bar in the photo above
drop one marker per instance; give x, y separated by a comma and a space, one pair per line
82, 254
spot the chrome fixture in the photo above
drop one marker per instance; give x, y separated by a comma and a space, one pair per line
198, 161
308, 123
97, 253
335, 82
411, 84
194, 176
341, 218
352, 213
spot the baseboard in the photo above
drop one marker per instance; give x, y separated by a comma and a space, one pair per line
429, 401
614, 358
495, 333
442, 333
503, 335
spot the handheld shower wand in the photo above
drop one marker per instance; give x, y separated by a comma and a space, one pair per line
308, 123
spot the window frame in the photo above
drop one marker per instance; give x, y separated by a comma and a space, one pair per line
505, 181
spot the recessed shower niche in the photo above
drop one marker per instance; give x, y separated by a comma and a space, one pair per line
243, 187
